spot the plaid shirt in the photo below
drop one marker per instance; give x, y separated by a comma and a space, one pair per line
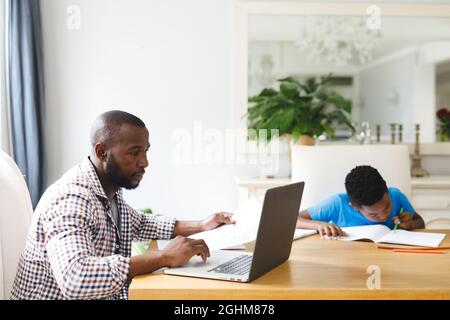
73, 248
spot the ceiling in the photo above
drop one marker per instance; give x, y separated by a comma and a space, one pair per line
397, 33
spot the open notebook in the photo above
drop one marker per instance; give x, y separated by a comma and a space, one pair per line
380, 233
301, 233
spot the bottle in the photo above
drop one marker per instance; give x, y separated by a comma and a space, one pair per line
366, 135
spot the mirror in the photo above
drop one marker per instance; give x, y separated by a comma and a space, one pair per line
395, 69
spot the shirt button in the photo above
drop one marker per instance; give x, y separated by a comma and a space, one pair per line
117, 246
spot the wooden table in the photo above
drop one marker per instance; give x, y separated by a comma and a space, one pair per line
319, 269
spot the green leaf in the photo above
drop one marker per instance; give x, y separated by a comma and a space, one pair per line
287, 121
289, 89
341, 103
298, 131
290, 80
146, 211
268, 93
257, 99
298, 108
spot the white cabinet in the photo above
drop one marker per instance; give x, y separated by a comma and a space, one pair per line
431, 199
430, 196
256, 187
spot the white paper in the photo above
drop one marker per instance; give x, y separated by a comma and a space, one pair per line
244, 230
163, 243
301, 233
382, 234
425, 239
372, 232
234, 236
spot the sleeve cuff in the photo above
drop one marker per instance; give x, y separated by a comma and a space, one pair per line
165, 227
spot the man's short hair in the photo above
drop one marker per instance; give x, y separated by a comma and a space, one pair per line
108, 124
365, 186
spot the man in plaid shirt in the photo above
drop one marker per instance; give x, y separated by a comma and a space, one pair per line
79, 242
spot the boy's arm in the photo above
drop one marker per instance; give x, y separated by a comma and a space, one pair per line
409, 222
304, 221
417, 222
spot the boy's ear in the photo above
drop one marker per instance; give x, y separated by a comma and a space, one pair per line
354, 206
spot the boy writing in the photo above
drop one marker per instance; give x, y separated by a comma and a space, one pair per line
368, 201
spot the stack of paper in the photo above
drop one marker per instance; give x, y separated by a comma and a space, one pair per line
243, 231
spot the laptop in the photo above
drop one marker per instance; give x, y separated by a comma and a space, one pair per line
272, 247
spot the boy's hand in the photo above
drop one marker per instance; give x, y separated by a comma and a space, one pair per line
330, 230
405, 219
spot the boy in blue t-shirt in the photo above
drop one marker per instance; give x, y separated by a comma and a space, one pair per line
368, 201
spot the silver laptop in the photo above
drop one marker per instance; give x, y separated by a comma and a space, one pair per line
272, 247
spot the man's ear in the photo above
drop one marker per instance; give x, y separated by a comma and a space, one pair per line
100, 151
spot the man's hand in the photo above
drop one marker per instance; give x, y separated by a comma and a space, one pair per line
187, 228
330, 230
405, 220
216, 220
175, 254
181, 249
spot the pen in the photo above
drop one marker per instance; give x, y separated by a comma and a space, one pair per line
398, 221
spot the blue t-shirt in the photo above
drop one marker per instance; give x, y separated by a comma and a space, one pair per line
336, 209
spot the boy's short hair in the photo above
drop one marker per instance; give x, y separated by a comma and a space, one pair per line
365, 186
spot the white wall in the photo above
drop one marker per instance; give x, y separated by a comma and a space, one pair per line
443, 86
167, 61
424, 101
378, 84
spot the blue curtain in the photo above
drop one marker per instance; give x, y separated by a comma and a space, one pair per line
26, 92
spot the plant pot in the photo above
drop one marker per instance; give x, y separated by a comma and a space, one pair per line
139, 247
306, 140
443, 137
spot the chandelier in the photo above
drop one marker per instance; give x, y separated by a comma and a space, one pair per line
338, 40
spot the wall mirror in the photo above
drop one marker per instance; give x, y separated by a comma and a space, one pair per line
391, 61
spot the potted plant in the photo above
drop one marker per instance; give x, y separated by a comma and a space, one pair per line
300, 111
444, 124
140, 247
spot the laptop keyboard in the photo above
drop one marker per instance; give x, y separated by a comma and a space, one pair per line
239, 265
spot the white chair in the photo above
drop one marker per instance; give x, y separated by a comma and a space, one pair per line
15, 217
324, 168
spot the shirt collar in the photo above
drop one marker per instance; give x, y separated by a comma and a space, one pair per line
89, 170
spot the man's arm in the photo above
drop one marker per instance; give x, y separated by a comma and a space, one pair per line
79, 273
179, 250
175, 254
148, 227
187, 228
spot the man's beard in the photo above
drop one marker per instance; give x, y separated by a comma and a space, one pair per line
115, 175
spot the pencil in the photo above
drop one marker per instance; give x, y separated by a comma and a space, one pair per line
391, 247
398, 221
419, 251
